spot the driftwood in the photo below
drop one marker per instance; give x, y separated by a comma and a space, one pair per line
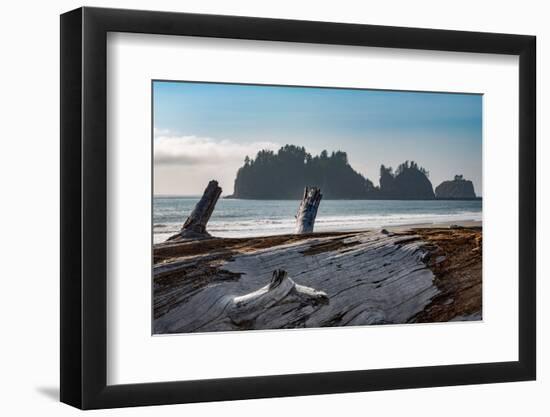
368, 278
305, 219
315, 280
195, 225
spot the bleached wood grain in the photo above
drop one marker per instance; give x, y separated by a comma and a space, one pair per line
356, 278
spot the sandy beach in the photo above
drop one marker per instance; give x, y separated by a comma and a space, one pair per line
438, 225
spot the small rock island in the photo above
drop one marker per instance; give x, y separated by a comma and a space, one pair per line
457, 189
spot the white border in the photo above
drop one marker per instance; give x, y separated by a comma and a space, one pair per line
135, 356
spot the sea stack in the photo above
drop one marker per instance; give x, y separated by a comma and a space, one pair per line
408, 182
459, 188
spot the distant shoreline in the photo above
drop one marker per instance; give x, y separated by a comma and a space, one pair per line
473, 224
230, 197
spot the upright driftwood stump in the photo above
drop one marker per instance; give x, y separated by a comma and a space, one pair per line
195, 225
305, 219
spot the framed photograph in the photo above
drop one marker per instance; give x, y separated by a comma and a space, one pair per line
257, 207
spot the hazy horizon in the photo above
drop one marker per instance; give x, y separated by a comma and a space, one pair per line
203, 131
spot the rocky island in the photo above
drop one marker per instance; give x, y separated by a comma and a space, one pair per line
457, 189
410, 182
282, 175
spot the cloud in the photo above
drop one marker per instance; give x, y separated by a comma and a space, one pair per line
183, 165
193, 150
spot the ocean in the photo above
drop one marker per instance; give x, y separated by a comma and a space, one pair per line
243, 218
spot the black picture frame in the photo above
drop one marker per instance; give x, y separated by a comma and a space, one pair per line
84, 207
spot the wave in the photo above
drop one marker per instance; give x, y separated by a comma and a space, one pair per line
277, 226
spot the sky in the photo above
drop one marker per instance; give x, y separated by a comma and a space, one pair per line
203, 131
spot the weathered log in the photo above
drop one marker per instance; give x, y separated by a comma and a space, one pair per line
329, 279
338, 279
305, 219
195, 225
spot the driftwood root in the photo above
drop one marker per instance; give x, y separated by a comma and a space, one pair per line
282, 293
